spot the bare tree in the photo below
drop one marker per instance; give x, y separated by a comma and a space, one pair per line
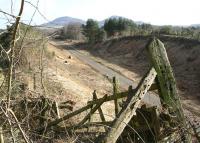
73, 31
12, 53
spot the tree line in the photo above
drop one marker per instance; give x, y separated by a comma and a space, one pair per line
118, 27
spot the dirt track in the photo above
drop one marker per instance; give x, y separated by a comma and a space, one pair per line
150, 99
104, 70
79, 81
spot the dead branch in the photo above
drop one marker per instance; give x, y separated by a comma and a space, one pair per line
92, 111
86, 125
100, 110
26, 31
13, 53
57, 121
9, 121
112, 97
1, 135
41, 67
13, 16
18, 124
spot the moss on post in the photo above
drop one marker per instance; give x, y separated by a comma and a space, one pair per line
167, 84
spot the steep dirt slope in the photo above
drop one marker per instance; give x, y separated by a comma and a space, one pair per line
130, 53
78, 79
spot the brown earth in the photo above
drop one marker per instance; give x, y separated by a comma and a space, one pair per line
78, 79
129, 57
130, 53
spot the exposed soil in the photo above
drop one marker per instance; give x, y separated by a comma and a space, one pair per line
129, 57
79, 79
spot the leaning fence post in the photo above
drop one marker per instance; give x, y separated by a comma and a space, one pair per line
90, 115
100, 110
115, 87
96, 107
165, 78
129, 110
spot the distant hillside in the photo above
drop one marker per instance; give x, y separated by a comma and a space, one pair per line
61, 21
195, 25
1, 30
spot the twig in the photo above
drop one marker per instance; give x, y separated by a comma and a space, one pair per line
26, 31
1, 135
13, 53
92, 111
18, 124
57, 121
41, 70
11, 129
13, 16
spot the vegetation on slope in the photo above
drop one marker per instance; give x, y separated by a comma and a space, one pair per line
130, 53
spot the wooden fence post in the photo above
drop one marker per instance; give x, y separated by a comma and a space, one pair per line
115, 87
96, 107
90, 115
100, 110
34, 81
166, 80
129, 110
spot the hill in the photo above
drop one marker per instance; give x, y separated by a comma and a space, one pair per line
195, 25
61, 21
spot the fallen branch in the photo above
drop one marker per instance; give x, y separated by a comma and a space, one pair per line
1, 135
9, 121
112, 97
100, 110
91, 124
18, 124
107, 98
57, 121
92, 111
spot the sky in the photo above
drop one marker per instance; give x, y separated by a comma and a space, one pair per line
157, 12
